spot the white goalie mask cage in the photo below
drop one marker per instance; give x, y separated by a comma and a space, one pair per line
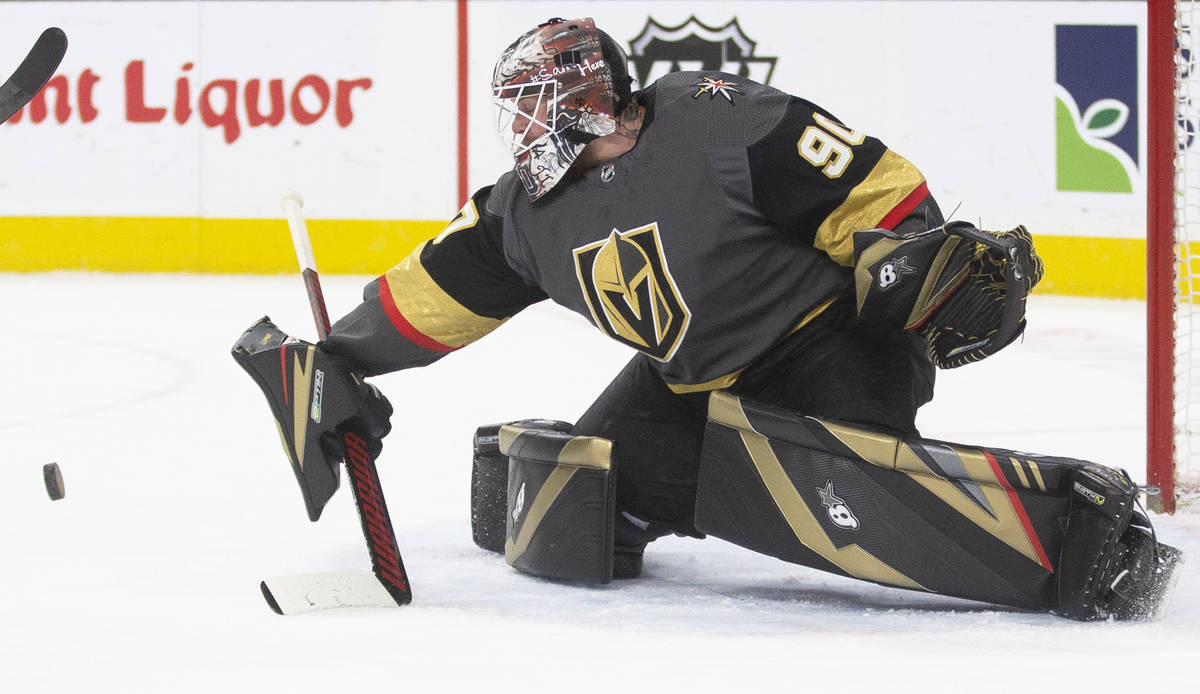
526, 114
553, 94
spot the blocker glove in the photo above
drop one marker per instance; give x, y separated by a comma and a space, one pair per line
317, 399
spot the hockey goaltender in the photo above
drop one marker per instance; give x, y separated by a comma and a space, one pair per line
789, 285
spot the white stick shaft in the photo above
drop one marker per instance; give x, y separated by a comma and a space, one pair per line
293, 207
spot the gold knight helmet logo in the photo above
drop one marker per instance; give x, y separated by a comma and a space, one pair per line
630, 292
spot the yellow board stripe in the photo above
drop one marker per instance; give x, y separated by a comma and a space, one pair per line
1075, 265
194, 244
1086, 266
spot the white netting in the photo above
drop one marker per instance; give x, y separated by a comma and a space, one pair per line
1187, 251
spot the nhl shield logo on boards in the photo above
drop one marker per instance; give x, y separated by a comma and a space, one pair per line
630, 292
693, 45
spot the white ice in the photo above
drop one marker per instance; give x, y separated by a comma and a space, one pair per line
179, 500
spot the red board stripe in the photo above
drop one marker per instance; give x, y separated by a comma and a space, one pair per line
403, 326
464, 93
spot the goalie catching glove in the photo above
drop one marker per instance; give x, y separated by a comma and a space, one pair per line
317, 400
961, 288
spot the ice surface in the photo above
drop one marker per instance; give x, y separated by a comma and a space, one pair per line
179, 500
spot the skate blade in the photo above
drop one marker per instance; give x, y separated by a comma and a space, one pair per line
1167, 581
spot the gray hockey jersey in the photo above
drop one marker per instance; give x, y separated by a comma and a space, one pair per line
727, 227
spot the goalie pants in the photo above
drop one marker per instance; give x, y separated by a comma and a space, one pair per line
837, 367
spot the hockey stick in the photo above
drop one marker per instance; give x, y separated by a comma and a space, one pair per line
33, 72
389, 586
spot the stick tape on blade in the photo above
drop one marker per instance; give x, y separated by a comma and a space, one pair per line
312, 592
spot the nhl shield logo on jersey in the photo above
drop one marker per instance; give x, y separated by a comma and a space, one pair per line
630, 292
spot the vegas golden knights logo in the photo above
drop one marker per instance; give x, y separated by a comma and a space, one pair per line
630, 292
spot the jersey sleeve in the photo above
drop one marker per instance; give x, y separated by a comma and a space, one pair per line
815, 177
449, 292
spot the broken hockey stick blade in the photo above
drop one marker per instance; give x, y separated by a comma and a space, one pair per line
386, 563
34, 71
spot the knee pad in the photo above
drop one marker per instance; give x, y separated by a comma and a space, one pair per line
993, 525
545, 499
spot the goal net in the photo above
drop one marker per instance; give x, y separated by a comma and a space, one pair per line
1173, 254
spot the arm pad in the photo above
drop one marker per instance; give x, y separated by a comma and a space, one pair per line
961, 288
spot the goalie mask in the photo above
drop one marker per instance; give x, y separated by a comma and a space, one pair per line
556, 89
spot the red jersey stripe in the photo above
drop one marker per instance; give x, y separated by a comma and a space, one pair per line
403, 326
908, 204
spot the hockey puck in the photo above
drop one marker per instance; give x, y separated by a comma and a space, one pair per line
54, 481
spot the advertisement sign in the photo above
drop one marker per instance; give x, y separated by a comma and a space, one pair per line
176, 125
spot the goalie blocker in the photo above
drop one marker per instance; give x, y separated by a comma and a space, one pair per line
316, 400
992, 525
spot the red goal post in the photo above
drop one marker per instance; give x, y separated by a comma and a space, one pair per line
1172, 254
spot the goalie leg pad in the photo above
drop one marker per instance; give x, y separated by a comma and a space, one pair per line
489, 482
561, 504
1034, 532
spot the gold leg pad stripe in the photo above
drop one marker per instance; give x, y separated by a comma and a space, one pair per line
852, 559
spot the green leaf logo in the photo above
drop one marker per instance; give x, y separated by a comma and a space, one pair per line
1087, 161
1105, 118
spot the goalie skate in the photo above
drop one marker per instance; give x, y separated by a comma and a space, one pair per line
1143, 581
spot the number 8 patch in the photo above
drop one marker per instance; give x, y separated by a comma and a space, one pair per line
891, 272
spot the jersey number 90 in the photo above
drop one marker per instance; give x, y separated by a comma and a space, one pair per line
827, 145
